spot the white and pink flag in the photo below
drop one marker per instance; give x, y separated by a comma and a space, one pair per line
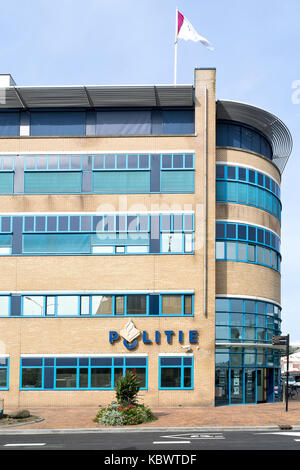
187, 32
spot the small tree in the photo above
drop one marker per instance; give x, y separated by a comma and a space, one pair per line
127, 388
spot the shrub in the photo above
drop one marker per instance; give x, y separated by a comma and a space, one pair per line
111, 417
127, 388
118, 415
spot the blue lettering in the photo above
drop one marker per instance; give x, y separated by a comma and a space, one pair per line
113, 336
169, 334
193, 336
146, 340
180, 337
131, 345
157, 337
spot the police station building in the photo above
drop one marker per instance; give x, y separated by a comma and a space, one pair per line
139, 229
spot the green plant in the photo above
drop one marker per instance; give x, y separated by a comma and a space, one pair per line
127, 388
111, 417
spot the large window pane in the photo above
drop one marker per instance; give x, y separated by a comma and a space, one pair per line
136, 305
31, 378
4, 305
172, 242
102, 305
171, 377
100, 378
33, 305
171, 304
67, 305
65, 378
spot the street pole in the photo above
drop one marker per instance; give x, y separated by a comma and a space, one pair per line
287, 373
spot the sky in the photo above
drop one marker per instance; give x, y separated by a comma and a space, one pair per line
256, 56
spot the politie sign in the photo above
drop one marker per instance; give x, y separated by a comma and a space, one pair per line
130, 334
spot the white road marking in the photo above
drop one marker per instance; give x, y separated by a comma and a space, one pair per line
197, 436
282, 433
25, 444
171, 442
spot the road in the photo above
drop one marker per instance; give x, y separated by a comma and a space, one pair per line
154, 441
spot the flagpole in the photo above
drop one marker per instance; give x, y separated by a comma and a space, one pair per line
175, 58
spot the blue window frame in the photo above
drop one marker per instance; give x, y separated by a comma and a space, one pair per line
175, 373
263, 246
4, 373
240, 372
246, 321
101, 305
79, 373
244, 186
101, 234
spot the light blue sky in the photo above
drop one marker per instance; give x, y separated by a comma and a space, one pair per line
64, 42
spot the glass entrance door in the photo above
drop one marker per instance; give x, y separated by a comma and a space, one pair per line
250, 386
236, 389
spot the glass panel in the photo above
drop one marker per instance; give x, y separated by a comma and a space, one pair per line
236, 319
188, 242
172, 242
50, 305
66, 378
236, 386
119, 305
251, 253
170, 377
3, 377
67, 305
136, 305
33, 305
187, 304
222, 387
84, 305
83, 378
220, 250
250, 334
242, 251
102, 305
171, 304
4, 305
100, 378
187, 377
222, 305
222, 359
231, 251
250, 385
222, 318
236, 334
31, 378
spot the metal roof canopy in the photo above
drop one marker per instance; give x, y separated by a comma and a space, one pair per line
271, 126
96, 96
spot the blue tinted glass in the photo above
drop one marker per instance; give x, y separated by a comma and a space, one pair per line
220, 173
236, 305
187, 361
40, 224
252, 176
143, 161
189, 161
242, 232
32, 362
231, 172
132, 161
83, 361
220, 230
51, 223
231, 231
178, 161
110, 161
118, 361
49, 361
101, 361
170, 361
260, 179
252, 233
222, 305
260, 235
242, 174
135, 361
66, 361
167, 161
121, 161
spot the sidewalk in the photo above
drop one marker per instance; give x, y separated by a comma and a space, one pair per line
269, 414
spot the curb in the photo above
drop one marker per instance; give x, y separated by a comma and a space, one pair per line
38, 420
135, 430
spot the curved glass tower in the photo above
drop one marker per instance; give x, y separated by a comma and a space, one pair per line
252, 149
